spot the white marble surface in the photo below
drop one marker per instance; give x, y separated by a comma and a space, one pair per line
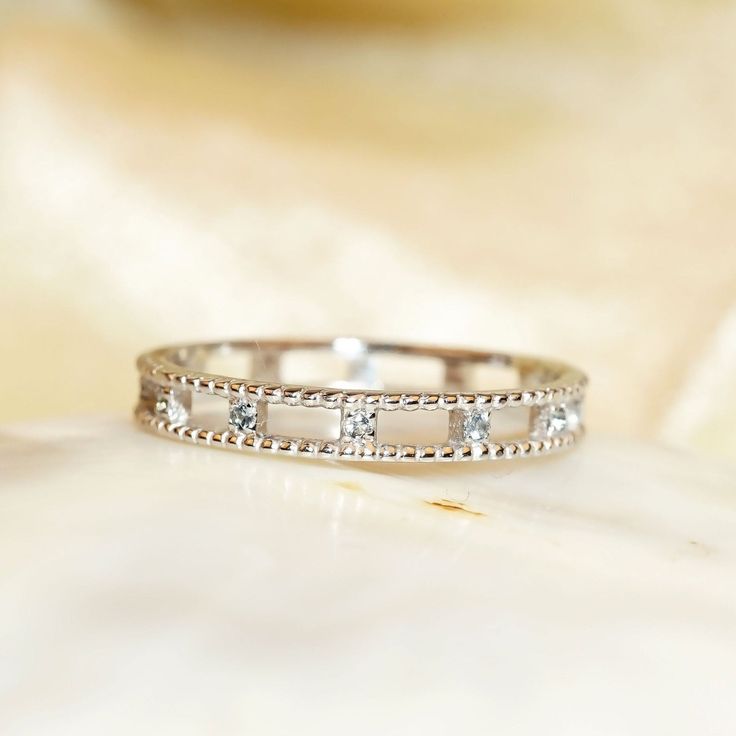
152, 587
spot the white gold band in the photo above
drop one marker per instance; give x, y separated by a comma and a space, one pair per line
547, 403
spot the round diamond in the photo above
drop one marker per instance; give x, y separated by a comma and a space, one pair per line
557, 420
358, 424
169, 407
243, 416
574, 415
476, 426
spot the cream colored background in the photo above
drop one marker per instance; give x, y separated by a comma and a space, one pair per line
554, 177
525, 175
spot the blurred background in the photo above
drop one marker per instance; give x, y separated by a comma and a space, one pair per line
552, 177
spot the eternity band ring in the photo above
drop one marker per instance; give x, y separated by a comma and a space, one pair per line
370, 401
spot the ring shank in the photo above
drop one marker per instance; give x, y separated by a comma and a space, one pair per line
359, 387
261, 360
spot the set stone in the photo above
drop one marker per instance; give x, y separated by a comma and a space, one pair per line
243, 415
477, 426
560, 418
574, 415
169, 407
358, 424
557, 420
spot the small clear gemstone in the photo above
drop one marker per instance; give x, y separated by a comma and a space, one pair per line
554, 420
476, 426
171, 408
243, 415
358, 424
557, 420
574, 415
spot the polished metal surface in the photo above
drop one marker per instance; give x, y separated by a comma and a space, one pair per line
549, 394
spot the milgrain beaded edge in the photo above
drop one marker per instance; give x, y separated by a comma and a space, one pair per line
556, 392
160, 373
336, 449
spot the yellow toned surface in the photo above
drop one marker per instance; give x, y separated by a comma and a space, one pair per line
559, 188
556, 178
408, 14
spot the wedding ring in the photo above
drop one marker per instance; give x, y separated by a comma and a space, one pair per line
189, 393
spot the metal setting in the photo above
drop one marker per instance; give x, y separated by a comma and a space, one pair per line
551, 392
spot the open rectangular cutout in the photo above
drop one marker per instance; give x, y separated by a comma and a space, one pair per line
511, 423
302, 421
409, 372
209, 411
413, 427
490, 376
225, 361
313, 367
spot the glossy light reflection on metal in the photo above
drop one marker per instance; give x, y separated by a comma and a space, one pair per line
551, 394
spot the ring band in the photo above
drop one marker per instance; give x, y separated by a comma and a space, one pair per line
546, 406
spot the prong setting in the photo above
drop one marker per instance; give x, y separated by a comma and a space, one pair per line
173, 406
358, 424
171, 376
470, 425
243, 415
553, 420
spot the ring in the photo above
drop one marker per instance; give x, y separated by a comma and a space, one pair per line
368, 409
